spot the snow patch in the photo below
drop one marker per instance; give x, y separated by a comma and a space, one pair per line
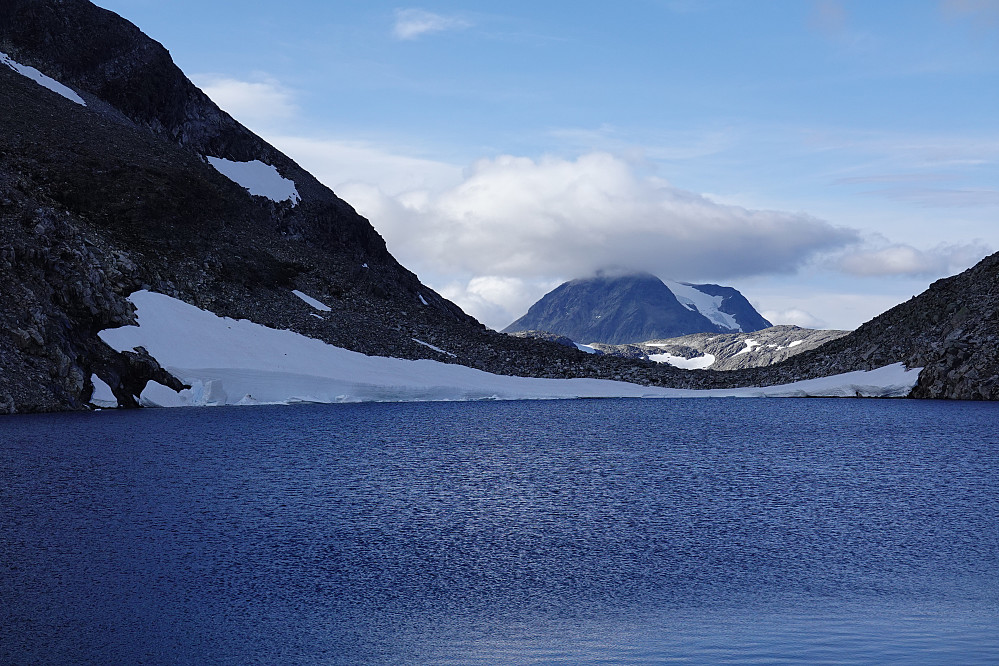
259, 178
436, 349
103, 395
423, 300
586, 348
230, 362
317, 304
751, 344
706, 304
42, 80
697, 363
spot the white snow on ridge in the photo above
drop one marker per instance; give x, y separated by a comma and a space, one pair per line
41, 79
317, 304
751, 344
259, 178
585, 348
698, 363
706, 304
239, 362
436, 349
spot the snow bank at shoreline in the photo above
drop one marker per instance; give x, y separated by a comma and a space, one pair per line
230, 362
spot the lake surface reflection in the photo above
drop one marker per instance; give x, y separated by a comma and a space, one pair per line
575, 532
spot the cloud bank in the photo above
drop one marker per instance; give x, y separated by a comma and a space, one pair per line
525, 218
900, 259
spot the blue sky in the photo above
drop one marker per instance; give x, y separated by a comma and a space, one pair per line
828, 158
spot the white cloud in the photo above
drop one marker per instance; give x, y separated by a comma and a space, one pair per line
356, 168
524, 218
793, 317
906, 260
255, 104
413, 23
496, 301
512, 228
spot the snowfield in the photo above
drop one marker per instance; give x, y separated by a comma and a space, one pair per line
41, 79
238, 362
708, 305
697, 363
260, 179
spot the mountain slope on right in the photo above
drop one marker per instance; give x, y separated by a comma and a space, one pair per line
951, 330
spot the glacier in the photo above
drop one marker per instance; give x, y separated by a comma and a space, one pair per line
238, 362
708, 305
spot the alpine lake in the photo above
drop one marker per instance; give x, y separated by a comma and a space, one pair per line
620, 531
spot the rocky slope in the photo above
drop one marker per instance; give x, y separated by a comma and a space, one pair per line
99, 200
727, 351
951, 330
630, 308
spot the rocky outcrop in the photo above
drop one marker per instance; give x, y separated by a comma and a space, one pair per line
731, 351
547, 336
951, 330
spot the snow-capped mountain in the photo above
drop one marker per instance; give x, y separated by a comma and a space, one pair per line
635, 307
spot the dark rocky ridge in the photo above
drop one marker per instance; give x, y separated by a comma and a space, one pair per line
99, 201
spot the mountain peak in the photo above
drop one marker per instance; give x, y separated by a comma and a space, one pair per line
618, 307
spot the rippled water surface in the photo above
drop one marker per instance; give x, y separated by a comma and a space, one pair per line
576, 532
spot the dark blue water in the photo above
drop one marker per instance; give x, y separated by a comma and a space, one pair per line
578, 532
